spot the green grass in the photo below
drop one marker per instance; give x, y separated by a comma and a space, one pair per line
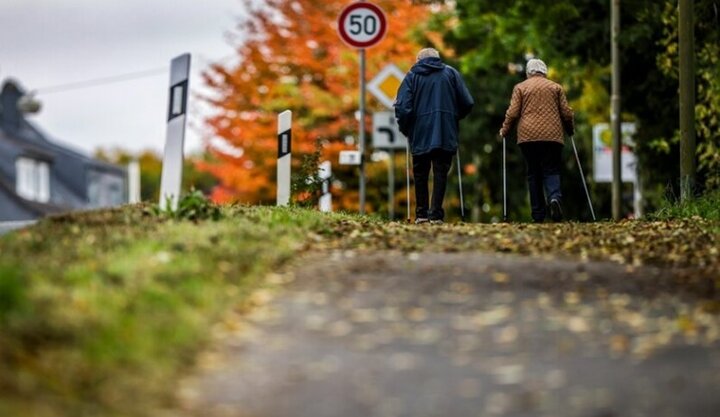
706, 206
101, 311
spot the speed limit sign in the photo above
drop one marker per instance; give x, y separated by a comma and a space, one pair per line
362, 25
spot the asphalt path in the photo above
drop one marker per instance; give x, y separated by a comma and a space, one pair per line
365, 334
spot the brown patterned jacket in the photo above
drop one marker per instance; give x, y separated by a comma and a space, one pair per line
541, 110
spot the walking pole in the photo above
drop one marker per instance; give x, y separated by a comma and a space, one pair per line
407, 177
504, 168
462, 200
582, 176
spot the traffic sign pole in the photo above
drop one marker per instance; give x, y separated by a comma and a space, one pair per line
391, 186
362, 131
362, 25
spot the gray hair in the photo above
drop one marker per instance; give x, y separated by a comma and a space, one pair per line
535, 66
428, 53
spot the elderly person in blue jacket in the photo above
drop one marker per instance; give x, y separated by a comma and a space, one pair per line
430, 103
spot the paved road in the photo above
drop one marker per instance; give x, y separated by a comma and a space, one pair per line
391, 334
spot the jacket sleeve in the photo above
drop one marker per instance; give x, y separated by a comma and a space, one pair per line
465, 100
404, 106
513, 112
566, 113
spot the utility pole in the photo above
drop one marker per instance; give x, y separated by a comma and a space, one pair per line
686, 42
615, 120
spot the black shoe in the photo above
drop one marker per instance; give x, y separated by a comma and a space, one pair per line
556, 213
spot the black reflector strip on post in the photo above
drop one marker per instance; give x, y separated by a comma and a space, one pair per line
178, 100
284, 143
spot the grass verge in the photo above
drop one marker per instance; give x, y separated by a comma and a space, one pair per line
100, 311
706, 207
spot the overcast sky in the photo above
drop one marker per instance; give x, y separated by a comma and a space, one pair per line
45, 43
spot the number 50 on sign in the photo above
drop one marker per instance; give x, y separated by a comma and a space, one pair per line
362, 25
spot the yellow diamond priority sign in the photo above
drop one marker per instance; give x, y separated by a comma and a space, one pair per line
385, 84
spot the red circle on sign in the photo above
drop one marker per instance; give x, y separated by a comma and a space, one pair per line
347, 36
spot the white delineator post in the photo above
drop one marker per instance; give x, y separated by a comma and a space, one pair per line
284, 157
175, 137
326, 199
133, 170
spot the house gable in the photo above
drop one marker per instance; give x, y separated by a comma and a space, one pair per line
75, 181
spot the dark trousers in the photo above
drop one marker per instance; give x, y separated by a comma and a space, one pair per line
543, 160
440, 161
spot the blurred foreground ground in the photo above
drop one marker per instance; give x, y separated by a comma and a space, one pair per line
389, 333
291, 312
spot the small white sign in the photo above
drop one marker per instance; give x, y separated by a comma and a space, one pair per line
602, 153
384, 86
350, 158
386, 133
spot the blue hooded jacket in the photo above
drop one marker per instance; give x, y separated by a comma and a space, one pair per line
430, 103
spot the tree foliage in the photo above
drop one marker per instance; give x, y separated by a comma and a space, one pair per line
492, 39
707, 62
291, 57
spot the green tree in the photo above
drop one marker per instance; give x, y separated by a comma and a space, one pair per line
491, 39
707, 62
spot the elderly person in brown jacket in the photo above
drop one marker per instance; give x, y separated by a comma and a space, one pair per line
542, 114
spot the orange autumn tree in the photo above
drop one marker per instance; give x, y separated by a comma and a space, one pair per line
291, 57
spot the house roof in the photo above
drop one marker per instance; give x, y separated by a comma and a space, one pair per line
69, 168
25, 148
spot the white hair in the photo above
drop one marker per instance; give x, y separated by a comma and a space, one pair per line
535, 66
428, 53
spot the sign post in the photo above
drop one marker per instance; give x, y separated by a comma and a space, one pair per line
362, 132
362, 25
386, 135
284, 157
172, 167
